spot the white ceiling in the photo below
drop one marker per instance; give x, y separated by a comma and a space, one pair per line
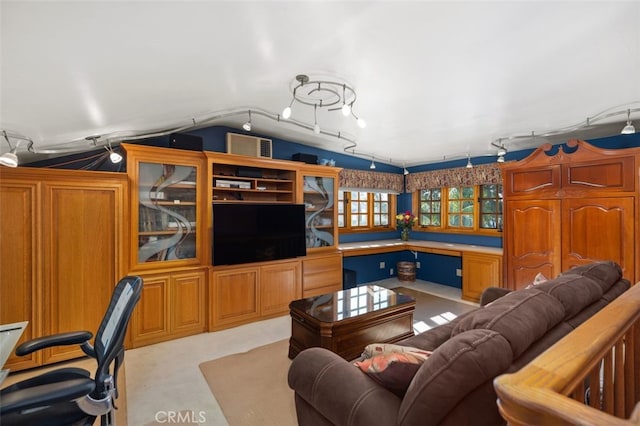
434, 80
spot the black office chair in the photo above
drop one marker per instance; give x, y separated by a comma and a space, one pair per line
69, 396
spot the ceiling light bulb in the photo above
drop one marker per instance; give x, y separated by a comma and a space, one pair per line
372, 166
286, 113
361, 123
115, 157
247, 126
9, 159
469, 165
500, 159
628, 129
404, 169
346, 110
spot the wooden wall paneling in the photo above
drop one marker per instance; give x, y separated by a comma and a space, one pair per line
150, 322
83, 256
19, 260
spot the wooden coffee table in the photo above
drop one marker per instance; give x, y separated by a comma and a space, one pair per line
346, 321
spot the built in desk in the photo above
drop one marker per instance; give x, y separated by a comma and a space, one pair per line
481, 265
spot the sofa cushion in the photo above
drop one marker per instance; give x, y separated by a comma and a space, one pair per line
462, 364
575, 292
521, 317
604, 273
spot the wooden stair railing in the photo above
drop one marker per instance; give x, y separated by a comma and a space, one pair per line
552, 389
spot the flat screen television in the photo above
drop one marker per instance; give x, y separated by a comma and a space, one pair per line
245, 232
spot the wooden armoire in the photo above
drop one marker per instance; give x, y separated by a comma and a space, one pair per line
568, 207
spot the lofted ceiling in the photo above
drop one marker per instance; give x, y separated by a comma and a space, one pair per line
435, 80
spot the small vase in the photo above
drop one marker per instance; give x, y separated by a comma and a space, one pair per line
404, 234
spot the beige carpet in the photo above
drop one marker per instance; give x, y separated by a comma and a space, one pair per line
251, 387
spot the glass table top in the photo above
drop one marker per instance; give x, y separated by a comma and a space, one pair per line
350, 303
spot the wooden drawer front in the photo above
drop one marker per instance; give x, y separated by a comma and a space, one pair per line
325, 271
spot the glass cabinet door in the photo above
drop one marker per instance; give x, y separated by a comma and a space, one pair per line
318, 197
167, 212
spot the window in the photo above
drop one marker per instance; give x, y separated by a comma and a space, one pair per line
475, 209
490, 206
430, 206
365, 211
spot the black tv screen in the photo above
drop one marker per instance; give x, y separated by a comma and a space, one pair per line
245, 233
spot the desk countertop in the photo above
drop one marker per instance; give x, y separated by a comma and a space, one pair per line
387, 246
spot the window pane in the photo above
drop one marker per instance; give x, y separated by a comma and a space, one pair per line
467, 192
467, 206
384, 197
354, 220
354, 207
384, 220
363, 195
341, 221
488, 206
436, 207
376, 197
437, 195
454, 194
376, 220
435, 220
363, 220
425, 194
454, 206
363, 207
385, 208
467, 221
454, 220
340, 208
376, 207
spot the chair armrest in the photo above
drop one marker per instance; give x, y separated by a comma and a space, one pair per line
46, 394
339, 391
61, 339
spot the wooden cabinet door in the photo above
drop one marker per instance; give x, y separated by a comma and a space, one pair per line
596, 229
83, 259
280, 284
532, 240
19, 245
187, 303
480, 271
150, 322
234, 296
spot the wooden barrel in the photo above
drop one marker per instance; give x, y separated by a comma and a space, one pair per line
406, 271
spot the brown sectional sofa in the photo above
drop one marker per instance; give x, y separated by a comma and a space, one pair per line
454, 386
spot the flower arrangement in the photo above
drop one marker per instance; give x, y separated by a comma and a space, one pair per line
405, 222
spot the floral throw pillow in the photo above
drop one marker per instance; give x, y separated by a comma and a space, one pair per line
393, 366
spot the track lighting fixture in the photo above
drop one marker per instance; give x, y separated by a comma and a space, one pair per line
404, 169
469, 165
247, 125
372, 166
628, 129
113, 156
323, 94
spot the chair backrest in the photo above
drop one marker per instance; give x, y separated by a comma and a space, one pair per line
109, 341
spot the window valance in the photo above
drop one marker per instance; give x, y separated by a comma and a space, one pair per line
371, 181
482, 174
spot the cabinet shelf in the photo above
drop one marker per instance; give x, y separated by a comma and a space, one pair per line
173, 203
161, 232
272, 191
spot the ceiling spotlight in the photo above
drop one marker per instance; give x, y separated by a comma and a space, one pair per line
324, 94
9, 159
469, 165
361, 123
502, 151
500, 159
628, 129
247, 125
404, 169
113, 156
372, 166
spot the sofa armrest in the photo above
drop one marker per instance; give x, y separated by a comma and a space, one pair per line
339, 391
492, 293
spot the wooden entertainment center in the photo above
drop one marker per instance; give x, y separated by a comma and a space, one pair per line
183, 294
